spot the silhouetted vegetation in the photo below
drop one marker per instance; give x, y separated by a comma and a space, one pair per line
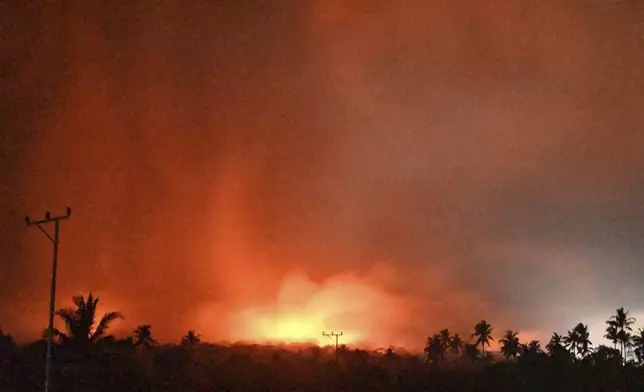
80, 323
87, 359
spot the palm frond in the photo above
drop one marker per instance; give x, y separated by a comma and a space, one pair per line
67, 314
79, 301
104, 324
71, 319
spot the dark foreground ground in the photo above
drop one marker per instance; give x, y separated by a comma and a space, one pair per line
119, 366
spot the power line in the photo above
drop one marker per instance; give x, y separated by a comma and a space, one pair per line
52, 294
332, 335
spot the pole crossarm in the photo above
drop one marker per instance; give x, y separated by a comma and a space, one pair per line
48, 218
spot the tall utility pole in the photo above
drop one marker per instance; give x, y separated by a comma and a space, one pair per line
333, 335
52, 293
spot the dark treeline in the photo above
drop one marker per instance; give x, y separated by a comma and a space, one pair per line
87, 358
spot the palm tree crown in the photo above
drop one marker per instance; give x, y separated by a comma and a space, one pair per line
618, 327
621, 320
143, 336
571, 342
533, 347
556, 345
79, 321
611, 333
483, 334
455, 344
510, 344
434, 348
191, 339
583, 342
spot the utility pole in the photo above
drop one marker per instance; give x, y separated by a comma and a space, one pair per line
52, 294
332, 335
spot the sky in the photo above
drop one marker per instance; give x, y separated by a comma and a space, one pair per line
267, 170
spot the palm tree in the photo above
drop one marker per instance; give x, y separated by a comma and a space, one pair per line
571, 341
621, 322
638, 342
143, 341
583, 342
191, 339
531, 352
455, 344
79, 322
143, 337
624, 338
556, 348
445, 338
534, 346
510, 344
483, 334
434, 349
556, 341
611, 333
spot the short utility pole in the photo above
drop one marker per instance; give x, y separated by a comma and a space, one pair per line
333, 335
52, 294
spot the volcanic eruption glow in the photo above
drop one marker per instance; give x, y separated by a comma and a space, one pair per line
304, 309
242, 169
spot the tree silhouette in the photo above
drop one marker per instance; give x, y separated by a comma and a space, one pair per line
7, 350
571, 341
389, 353
79, 322
583, 342
534, 347
191, 339
470, 351
510, 344
434, 349
604, 355
455, 344
7, 344
483, 334
445, 337
624, 338
143, 337
638, 344
621, 319
556, 348
191, 365
556, 341
143, 341
531, 352
621, 323
611, 333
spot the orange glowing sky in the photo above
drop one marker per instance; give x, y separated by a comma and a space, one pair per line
271, 171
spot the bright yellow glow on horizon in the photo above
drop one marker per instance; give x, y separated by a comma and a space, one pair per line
304, 310
290, 328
